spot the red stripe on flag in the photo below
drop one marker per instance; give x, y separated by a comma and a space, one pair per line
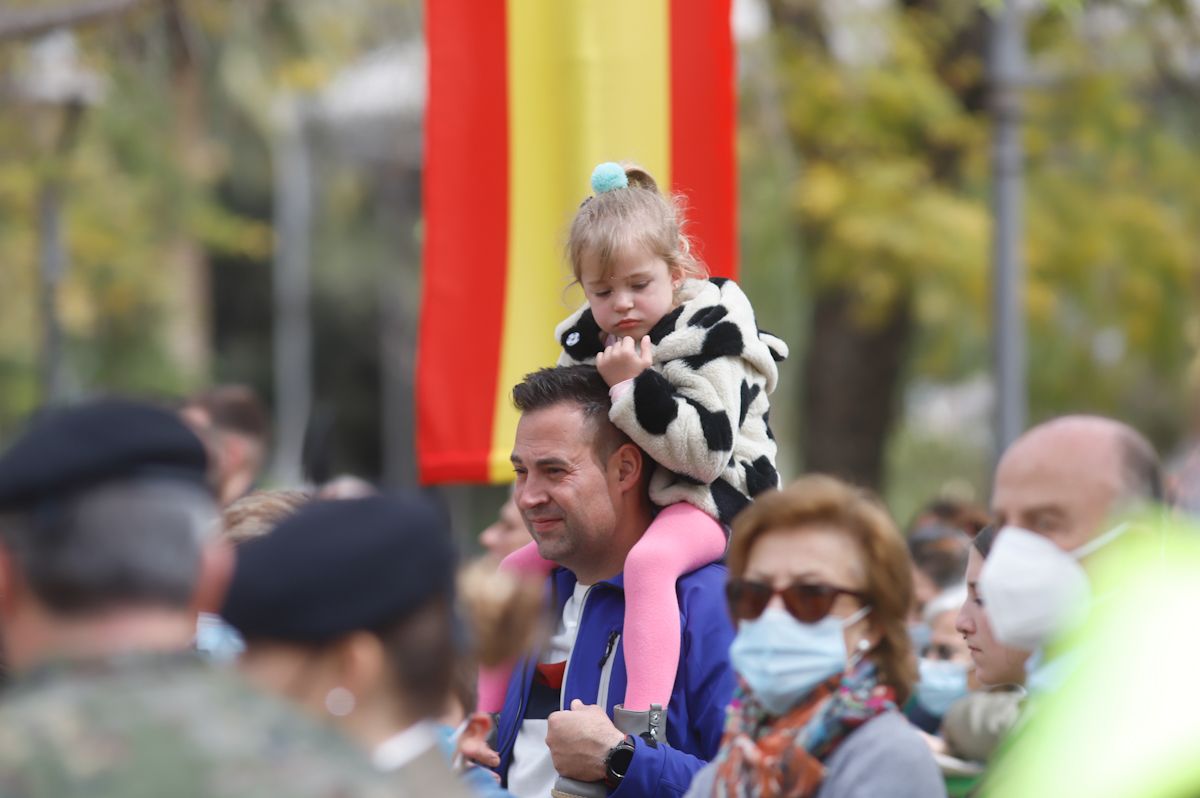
703, 118
466, 238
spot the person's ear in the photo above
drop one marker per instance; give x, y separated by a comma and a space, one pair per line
361, 663
217, 561
677, 277
627, 464
9, 581
235, 452
867, 634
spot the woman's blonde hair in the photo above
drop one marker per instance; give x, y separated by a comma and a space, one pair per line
832, 504
638, 215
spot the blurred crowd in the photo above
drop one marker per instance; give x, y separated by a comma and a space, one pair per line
173, 625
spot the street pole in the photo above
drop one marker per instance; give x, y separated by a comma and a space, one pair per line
1007, 65
51, 261
291, 276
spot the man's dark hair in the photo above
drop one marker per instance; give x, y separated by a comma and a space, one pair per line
581, 386
1141, 470
984, 540
940, 552
126, 543
234, 408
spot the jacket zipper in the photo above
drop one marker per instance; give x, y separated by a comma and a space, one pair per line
606, 666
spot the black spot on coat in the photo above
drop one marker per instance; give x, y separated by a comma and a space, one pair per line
718, 433
654, 402
665, 326
749, 394
590, 342
707, 317
760, 475
728, 499
723, 340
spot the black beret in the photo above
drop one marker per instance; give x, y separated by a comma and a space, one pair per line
340, 566
69, 449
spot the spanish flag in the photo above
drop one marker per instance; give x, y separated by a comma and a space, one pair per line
525, 98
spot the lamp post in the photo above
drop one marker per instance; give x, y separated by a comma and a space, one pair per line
1007, 65
56, 89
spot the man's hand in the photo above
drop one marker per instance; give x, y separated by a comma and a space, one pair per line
625, 359
579, 739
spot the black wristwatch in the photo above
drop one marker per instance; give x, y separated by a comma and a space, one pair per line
616, 763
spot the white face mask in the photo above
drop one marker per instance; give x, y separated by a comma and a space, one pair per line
1032, 590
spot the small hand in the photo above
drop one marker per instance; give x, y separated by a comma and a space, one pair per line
936, 744
579, 739
472, 745
625, 359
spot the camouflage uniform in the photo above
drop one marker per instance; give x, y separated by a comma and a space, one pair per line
167, 725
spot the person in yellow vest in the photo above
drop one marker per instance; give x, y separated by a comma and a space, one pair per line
1127, 721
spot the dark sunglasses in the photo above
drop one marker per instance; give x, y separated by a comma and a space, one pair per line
808, 603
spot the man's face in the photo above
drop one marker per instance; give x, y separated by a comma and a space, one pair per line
1061, 481
563, 494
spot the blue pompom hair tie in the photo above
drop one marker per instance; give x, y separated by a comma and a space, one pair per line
608, 176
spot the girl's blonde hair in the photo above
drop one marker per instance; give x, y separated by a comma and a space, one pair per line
636, 215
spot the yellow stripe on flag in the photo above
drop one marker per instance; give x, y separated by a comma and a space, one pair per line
588, 82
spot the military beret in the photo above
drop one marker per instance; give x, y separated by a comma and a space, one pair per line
66, 450
341, 566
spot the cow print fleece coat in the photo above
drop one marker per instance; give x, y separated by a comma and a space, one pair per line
701, 410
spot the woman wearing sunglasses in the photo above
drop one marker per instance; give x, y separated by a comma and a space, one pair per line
819, 586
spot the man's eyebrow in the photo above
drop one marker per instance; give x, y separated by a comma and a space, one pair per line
550, 461
1044, 509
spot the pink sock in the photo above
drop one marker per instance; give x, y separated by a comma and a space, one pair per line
682, 538
493, 682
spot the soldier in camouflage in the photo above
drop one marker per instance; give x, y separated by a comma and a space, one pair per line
107, 546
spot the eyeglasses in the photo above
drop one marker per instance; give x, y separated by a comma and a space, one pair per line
808, 603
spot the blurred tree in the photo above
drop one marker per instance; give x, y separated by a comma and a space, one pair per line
886, 111
129, 200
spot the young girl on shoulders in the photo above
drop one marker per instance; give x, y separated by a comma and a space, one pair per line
689, 373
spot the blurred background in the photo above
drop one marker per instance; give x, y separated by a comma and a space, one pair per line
195, 193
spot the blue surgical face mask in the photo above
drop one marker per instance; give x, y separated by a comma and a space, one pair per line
782, 659
941, 684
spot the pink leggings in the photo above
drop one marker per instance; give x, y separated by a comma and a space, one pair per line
681, 539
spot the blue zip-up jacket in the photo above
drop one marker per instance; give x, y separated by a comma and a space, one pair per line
595, 674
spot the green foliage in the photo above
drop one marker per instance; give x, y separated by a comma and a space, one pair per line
138, 184
873, 207
892, 200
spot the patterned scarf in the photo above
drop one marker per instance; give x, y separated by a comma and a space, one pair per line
767, 756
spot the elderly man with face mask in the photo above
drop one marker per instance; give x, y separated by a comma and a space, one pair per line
1071, 498
1064, 491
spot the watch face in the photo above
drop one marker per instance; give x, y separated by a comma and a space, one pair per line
619, 759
